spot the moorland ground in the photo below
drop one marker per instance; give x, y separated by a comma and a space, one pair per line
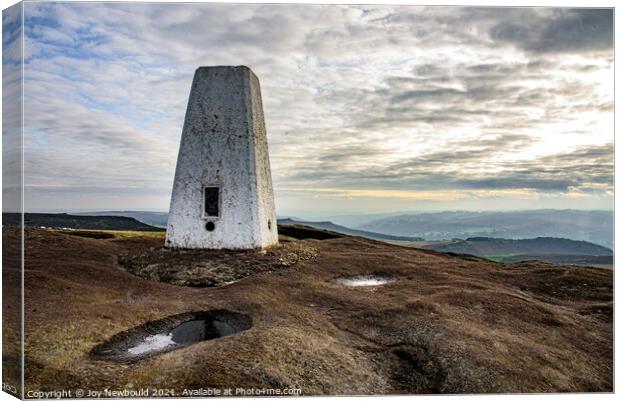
446, 324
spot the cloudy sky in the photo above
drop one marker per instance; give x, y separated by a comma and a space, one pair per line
368, 108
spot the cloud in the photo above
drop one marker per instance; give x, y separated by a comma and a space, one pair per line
559, 31
363, 98
584, 170
11, 109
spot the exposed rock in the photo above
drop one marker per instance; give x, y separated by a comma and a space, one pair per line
212, 268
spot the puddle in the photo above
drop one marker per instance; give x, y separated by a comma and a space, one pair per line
363, 281
168, 334
152, 343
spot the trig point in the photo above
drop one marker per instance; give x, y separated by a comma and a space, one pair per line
222, 196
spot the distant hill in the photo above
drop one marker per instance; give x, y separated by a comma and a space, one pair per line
303, 232
542, 245
563, 259
553, 250
136, 221
157, 219
64, 220
329, 226
580, 225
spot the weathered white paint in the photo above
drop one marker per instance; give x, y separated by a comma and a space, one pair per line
224, 144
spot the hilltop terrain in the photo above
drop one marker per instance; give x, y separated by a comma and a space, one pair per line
329, 226
445, 324
555, 250
594, 226
156, 219
64, 220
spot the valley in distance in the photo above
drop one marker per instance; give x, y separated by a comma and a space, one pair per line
580, 237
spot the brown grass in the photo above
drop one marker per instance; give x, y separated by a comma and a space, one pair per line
446, 325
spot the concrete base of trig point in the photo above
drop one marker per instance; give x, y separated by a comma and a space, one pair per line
222, 196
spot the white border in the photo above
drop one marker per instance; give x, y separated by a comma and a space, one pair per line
539, 3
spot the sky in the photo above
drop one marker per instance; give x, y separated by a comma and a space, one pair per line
368, 108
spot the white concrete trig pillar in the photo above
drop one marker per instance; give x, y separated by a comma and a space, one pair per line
222, 197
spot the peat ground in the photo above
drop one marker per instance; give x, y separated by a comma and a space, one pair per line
446, 324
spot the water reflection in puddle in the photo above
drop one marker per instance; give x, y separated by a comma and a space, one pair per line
186, 333
152, 344
140, 342
363, 281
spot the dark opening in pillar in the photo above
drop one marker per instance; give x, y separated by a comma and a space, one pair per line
212, 201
